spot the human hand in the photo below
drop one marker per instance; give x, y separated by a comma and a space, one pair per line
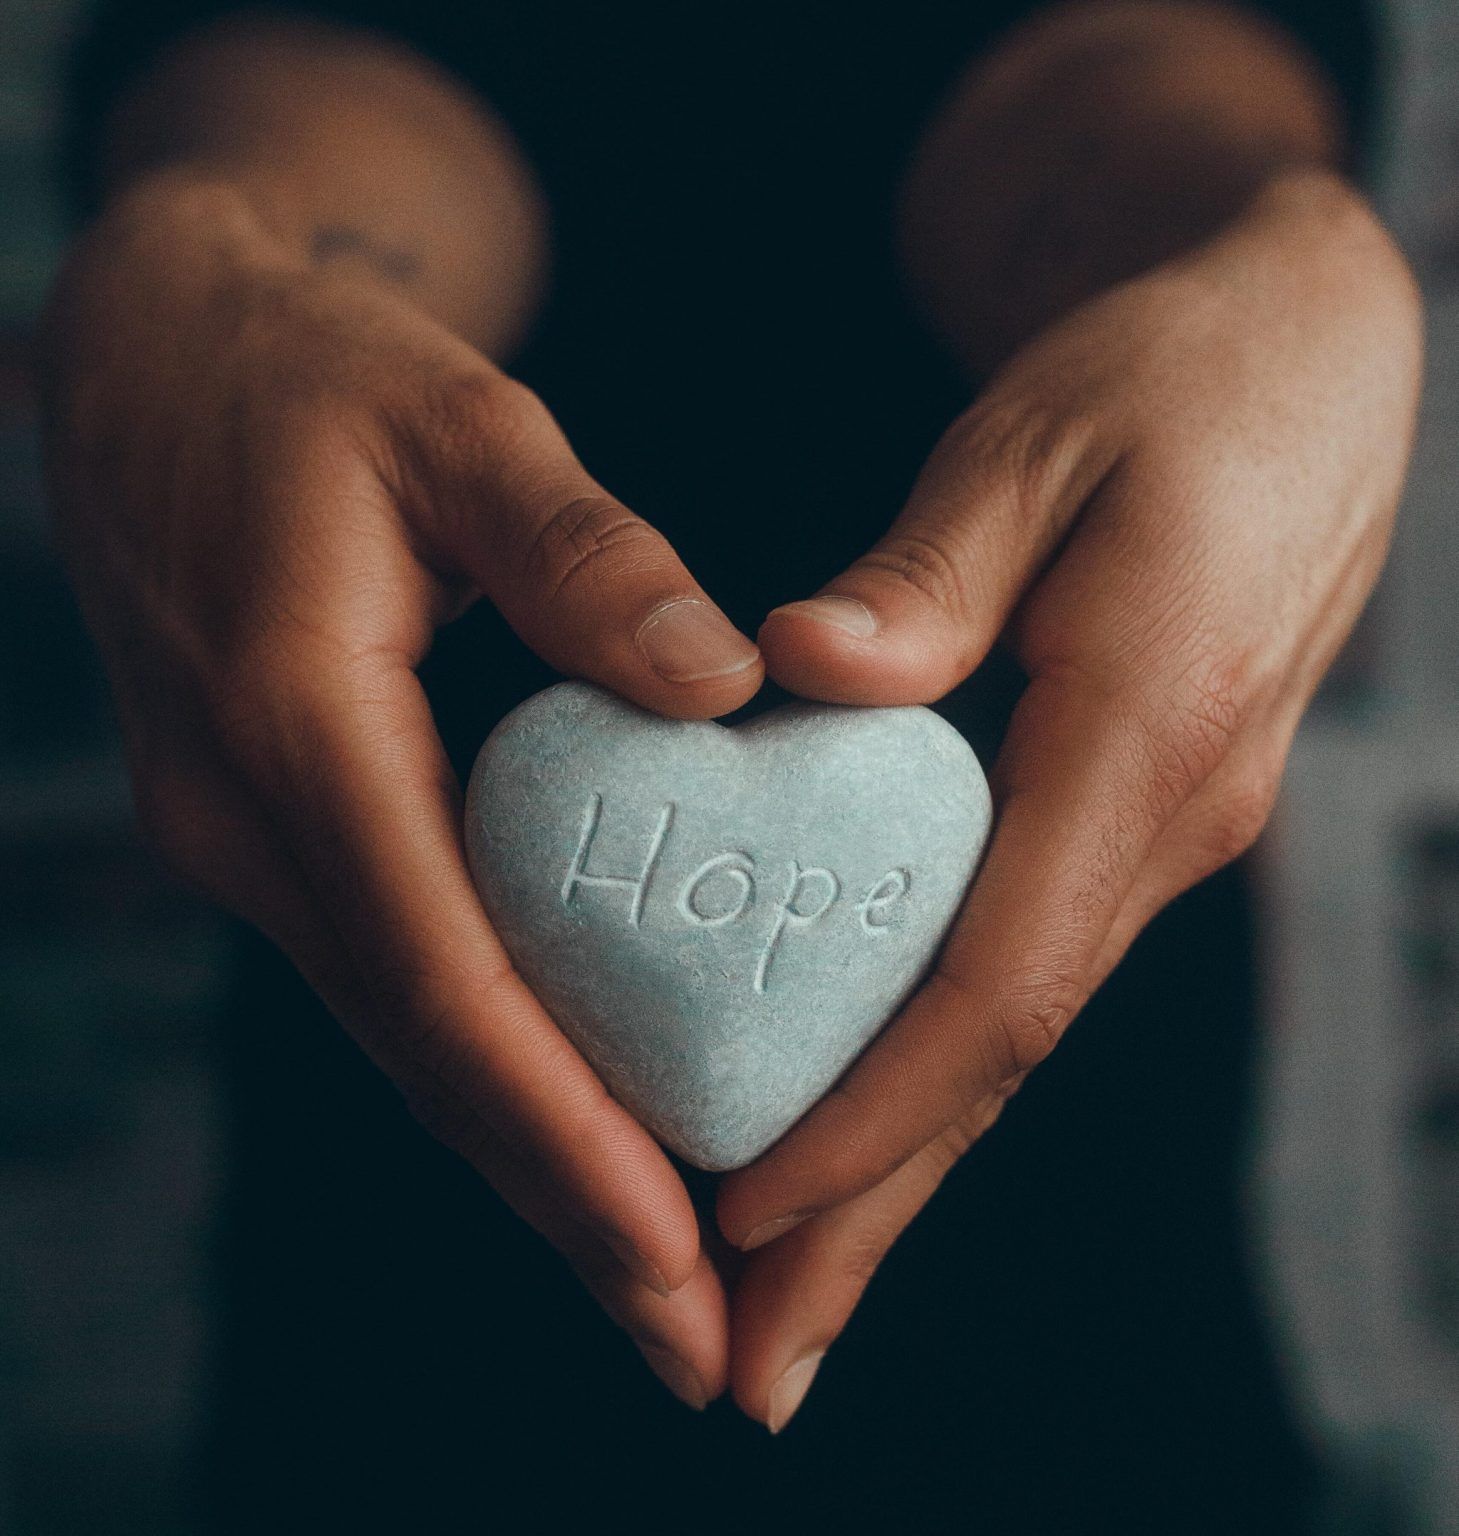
1173, 504
273, 483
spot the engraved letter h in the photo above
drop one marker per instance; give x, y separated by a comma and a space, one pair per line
577, 874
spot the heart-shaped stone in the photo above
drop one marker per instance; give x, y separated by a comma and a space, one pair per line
721, 920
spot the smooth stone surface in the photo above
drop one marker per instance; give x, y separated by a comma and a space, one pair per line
721, 920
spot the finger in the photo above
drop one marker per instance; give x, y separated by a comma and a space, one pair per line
213, 825
796, 1294
1087, 780
347, 760
917, 613
683, 1336
1137, 695
591, 587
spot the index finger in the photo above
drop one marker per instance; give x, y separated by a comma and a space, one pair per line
350, 764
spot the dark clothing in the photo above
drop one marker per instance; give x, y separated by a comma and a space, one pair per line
1066, 1341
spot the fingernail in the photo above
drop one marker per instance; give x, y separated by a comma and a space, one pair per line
676, 1376
636, 1265
687, 641
768, 1231
789, 1392
843, 613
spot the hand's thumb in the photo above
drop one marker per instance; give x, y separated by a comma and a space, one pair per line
919, 611
592, 588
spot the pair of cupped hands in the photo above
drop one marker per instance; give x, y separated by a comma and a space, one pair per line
275, 483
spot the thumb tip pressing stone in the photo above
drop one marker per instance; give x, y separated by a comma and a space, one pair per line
722, 919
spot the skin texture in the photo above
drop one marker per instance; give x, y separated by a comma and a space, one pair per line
282, 459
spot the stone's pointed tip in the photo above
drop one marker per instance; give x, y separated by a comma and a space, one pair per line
715, 1146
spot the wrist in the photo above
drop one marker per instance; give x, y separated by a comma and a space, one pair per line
155, 276
188, 243
175, 232
195, 213
240, 219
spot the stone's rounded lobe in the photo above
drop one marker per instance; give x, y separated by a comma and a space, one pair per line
721, 920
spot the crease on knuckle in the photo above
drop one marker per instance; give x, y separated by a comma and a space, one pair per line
483, 426
1033, 452
1015, 1034
469, 411
591, 539
1026, 1029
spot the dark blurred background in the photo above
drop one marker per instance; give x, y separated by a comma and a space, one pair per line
111, 979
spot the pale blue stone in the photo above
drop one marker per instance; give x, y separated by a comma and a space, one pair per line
721, 920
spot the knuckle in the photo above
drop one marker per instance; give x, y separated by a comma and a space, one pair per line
476, 423
1027, 449
1017, 1032
1028, 452
1026, 1029
589, 540
921, 560
462, 406
948, 1149
1242, 815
